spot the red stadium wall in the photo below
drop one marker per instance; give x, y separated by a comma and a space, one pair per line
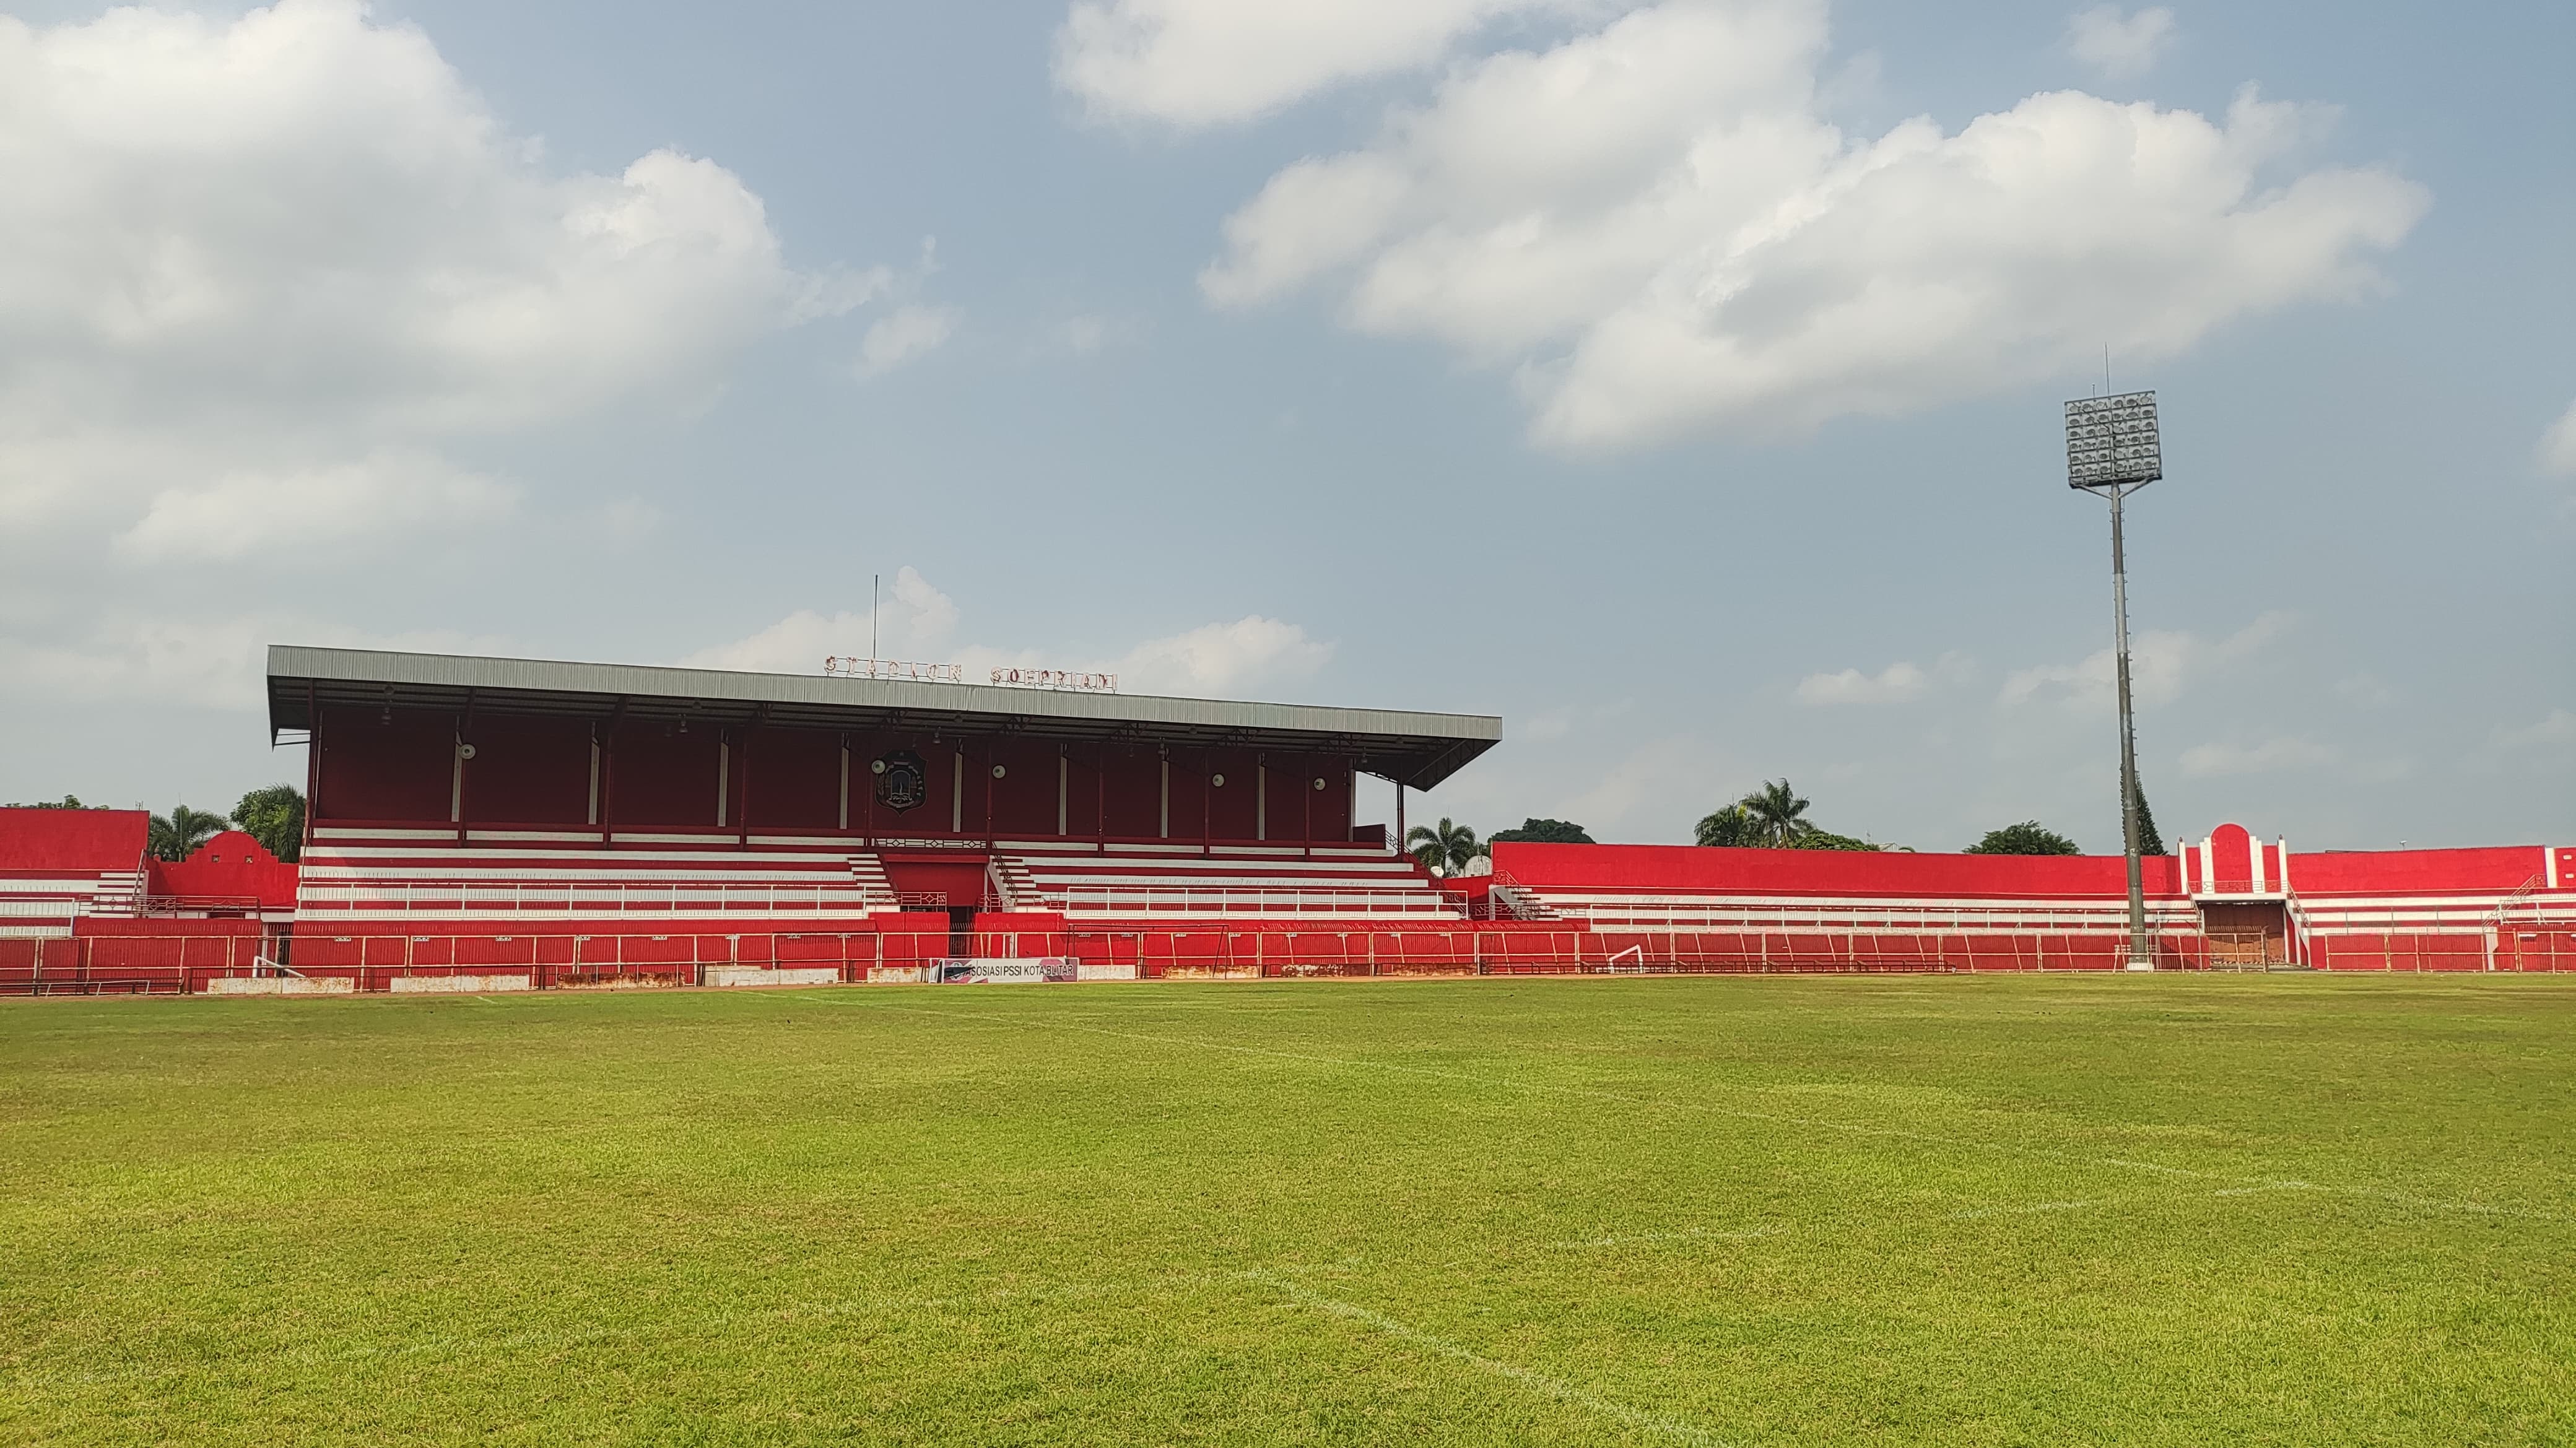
2385, 872
230, 869
403, 766
2506, 909
657, 774
72, 841
389, 764
1828, 872
528, 770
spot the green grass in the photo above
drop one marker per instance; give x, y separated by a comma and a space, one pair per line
1752, 1211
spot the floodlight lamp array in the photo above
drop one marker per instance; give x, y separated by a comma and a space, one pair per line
2112, 442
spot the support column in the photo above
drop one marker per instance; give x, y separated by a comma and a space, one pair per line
2141, 952
312, 761
608, 784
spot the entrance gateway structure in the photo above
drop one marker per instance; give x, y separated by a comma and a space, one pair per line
481, 823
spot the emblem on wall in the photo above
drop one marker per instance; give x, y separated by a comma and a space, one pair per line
903, 781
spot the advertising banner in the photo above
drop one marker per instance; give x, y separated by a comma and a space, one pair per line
1001, 971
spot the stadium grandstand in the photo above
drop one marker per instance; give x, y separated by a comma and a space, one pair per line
496, 824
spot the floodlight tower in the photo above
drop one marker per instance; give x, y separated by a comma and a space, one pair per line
2112, 450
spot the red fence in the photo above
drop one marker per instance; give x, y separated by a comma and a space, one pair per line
123, 964
2517, 947
155, 956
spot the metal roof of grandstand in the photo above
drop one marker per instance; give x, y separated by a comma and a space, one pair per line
1415, 749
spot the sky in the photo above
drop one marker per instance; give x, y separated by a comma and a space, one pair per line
1680, 381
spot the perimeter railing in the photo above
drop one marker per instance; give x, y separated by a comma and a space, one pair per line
621, 898
1218, 901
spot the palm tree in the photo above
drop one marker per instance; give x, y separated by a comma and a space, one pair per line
175, 836
1731, 825
1445, 849
274, 816
1778, 814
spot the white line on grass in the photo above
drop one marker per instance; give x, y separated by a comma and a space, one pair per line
1974, 1213
1687, 1234
1558, 1389
1740, 1113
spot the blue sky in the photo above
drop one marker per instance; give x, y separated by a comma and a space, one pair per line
1678, 381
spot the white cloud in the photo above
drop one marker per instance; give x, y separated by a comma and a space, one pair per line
922, 616
919, 622
1224, 658
2558, 728
2162, 664
796, 644
1085, 335
1893, 684
627, 519
270, 263
213, 659
2217, 760
915, 621
905, 335
1202, 62
2120, 46
1657, 229
243, 513
263, 276
1656, 792
2558, 445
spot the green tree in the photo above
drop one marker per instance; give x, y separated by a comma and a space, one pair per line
1545, 832
1443, 849
1816, 839
2030, 837
274, 816
1732, 825
2149, 841
176, 835
69, 801
1779, 813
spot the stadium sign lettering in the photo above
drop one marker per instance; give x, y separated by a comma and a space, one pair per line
841, 667
1058, 679
1006, 970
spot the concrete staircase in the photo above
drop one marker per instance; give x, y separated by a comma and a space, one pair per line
1008, 881
1522, 901
868, 873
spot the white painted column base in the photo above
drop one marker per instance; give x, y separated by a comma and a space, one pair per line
457, 984
281, 985
766, 975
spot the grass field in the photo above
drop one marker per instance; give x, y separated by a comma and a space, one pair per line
1749, 1211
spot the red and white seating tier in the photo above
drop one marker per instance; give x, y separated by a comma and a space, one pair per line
33, 904
353, 873
1651, 910
61, 865
1162, 882
357, 873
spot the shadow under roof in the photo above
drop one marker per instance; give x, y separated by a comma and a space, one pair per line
1414, 749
